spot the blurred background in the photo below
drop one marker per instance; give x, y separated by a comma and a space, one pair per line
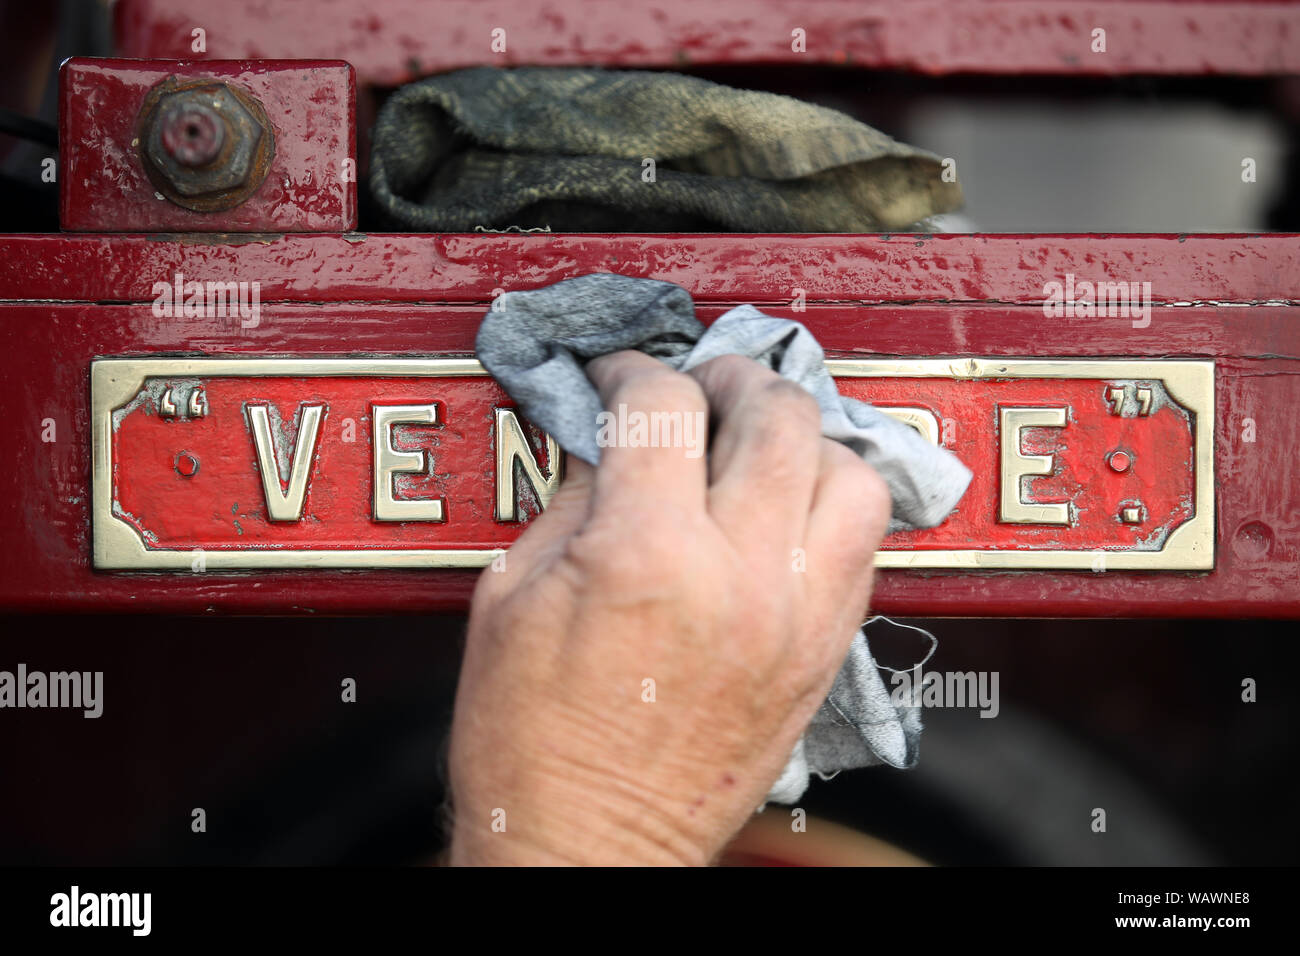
1144, 719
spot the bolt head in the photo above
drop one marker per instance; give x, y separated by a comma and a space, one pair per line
191, 135
204, 143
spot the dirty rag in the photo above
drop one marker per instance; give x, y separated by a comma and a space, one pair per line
536, 344
593, 150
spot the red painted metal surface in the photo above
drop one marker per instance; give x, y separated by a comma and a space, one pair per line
716, 268
310, 185
867, 296
394, 41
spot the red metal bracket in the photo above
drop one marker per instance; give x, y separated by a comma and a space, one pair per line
211, 146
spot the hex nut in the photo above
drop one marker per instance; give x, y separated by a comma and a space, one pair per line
205, 145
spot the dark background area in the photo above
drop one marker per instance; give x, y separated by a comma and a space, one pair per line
244, 718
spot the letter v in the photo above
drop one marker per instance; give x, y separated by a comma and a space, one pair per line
282, 506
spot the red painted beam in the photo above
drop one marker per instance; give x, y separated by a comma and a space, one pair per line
716, 268
331, 296
393, 41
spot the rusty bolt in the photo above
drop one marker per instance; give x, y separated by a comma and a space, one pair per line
191, 133
206, 145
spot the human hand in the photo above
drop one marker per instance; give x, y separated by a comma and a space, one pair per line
637, 676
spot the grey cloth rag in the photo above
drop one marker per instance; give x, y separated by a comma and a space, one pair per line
536, 343
593, 150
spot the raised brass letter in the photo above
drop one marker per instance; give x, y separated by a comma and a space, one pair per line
512, 445
389, 461
279, 505
1016, 464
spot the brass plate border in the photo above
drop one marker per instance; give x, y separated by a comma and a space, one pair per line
117, 546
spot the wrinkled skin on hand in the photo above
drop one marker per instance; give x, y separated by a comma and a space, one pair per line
638, 674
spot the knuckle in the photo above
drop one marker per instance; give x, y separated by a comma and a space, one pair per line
875, 491
656, 553
603, 554
725, 377
791, 403
614, 366
660, 388
727, 368
865, 499
784, 415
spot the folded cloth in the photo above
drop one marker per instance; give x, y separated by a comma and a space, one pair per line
536, 344
571, 149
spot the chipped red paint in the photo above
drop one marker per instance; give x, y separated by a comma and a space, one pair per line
311, 182
394, 41
867, 296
